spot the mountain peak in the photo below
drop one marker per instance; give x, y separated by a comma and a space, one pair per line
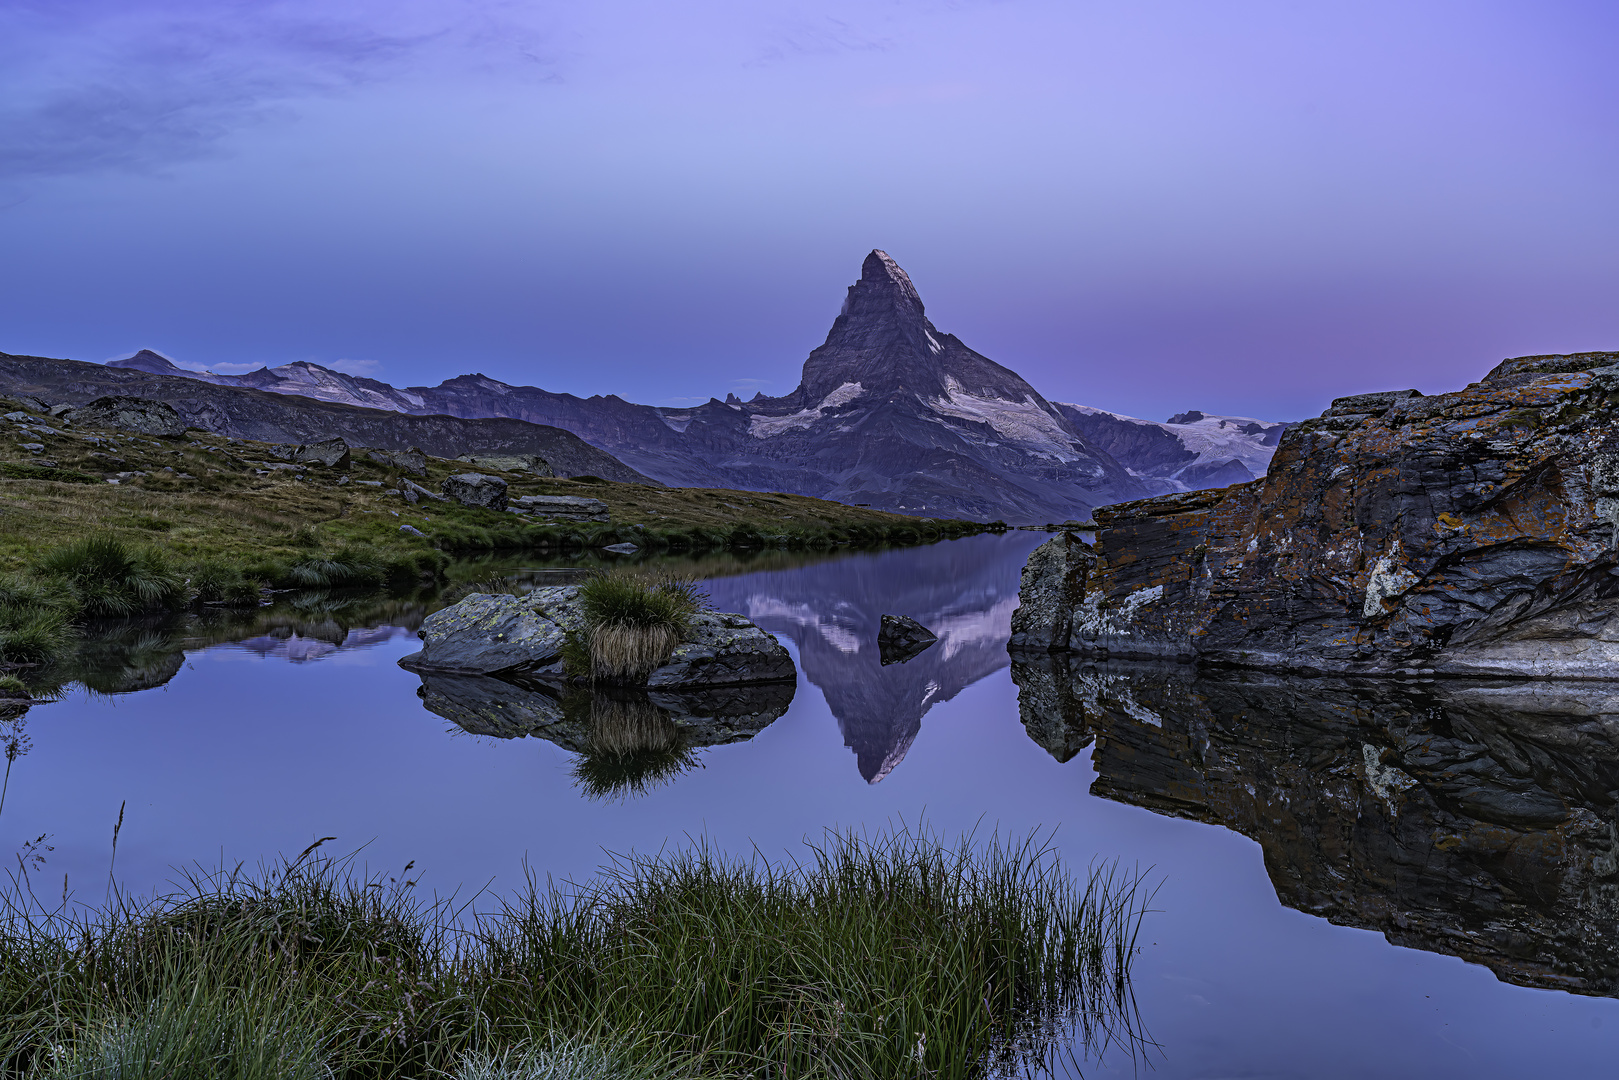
883, 281
148, 361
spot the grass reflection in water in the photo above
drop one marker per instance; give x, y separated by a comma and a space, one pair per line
887, 955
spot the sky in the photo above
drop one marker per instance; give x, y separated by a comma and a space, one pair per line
1240, 206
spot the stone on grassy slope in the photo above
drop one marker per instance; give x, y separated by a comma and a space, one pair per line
476, 489
331, 453
141, 415
1469, 533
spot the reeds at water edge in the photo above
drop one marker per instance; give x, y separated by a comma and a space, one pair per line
889, 955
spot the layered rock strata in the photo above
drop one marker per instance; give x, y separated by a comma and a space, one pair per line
1471, 818
1470, 533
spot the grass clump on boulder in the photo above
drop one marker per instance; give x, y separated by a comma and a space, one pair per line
631, 625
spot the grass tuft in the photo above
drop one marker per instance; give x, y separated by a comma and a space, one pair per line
895, 954
631, 625
109, 578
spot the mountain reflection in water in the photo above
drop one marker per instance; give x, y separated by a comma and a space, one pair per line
964, 591
1468, 818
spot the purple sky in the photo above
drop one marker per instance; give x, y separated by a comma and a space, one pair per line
1241, 207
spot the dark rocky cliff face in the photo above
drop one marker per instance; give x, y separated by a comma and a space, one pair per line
1469, 533
1468, 818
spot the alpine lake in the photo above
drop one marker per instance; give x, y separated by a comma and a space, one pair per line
1320, 909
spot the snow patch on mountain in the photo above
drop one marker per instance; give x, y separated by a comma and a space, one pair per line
1214, 439
1022, 423
764, 427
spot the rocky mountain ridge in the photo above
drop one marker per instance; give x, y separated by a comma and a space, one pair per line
247, 413
891, 412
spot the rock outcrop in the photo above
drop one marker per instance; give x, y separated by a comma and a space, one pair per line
523, 637
1470, 533
560, 507
142, 415
1470, 818
476, 489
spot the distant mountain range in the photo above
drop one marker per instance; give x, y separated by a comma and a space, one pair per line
891, 412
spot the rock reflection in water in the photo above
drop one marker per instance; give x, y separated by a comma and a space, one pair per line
1467, 818
627, 741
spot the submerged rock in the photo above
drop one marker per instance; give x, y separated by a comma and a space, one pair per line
900, 639
141, 415
476, 489
1470, 533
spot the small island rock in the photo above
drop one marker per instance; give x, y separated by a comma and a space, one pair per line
900, 639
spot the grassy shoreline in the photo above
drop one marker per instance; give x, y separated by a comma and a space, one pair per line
235, 501
895, 954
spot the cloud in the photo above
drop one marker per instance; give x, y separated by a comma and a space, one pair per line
367, 368
98, 84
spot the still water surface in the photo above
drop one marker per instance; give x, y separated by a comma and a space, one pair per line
256, 747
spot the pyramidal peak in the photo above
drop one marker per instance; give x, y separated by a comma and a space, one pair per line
883, 283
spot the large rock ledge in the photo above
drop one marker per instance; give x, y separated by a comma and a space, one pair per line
1464, 534
522, 636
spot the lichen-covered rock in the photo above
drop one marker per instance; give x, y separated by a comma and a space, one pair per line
724, 650
141, 415
561, 507
900, 638
486, 634
1052, 586
476, 489
1463, 533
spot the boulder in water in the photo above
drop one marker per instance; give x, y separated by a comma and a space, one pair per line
900, 638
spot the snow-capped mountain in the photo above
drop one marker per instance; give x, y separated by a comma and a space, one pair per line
1190, 450
891, 412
